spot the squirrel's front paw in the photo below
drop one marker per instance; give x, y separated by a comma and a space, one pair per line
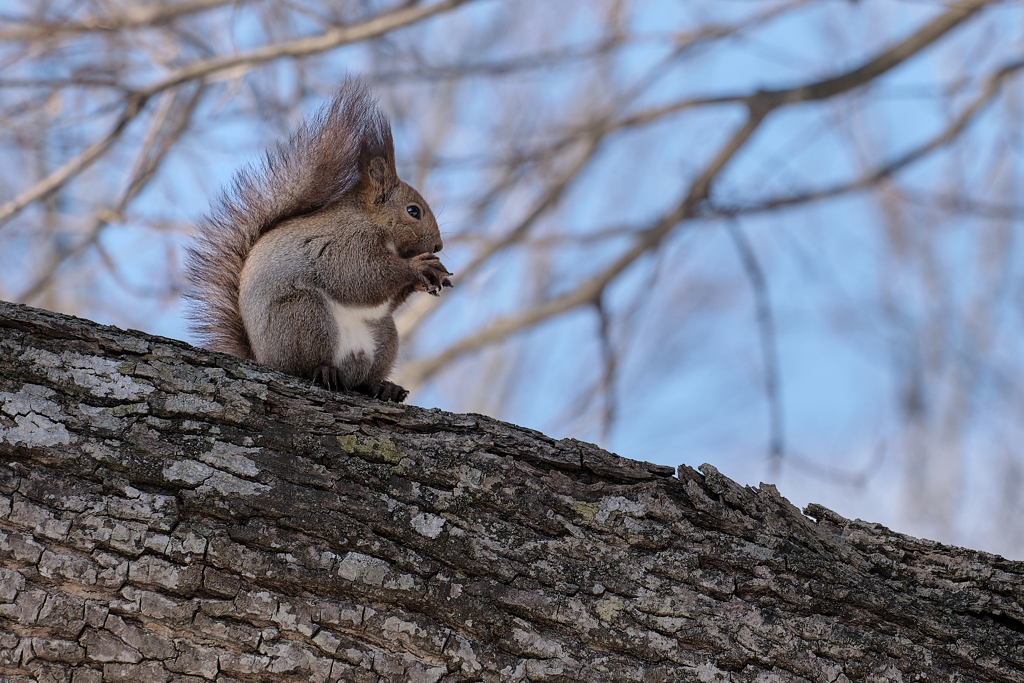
431, 273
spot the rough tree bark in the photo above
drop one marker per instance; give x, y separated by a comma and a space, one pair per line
168, 514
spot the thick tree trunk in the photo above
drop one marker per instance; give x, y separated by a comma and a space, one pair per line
168, 514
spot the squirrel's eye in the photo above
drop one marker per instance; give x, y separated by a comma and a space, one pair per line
414, 211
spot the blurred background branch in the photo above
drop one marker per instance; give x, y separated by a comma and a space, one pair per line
590, 163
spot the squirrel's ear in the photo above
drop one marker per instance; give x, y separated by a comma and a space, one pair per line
379, 178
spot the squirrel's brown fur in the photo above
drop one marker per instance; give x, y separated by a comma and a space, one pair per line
332, 186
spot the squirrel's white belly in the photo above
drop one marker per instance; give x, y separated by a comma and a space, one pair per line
355, 337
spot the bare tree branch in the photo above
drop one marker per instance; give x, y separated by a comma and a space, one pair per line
328, 40
53, 182
950, 133
130, 17
168, 125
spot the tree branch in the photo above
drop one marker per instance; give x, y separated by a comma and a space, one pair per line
169, 513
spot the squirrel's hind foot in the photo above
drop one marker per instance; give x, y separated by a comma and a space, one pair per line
384, 390
328, 377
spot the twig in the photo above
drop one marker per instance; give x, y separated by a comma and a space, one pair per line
769, 345
610, 365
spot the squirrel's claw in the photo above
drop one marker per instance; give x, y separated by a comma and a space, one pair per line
436, 291
434, 288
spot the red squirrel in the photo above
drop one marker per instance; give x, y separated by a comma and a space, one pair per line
302, 262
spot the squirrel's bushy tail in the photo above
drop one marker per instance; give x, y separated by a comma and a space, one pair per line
314, 169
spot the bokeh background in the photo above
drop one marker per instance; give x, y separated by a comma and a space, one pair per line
778, 236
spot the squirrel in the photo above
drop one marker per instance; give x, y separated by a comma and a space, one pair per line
301, 264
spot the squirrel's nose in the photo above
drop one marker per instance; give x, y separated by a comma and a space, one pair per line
438, 246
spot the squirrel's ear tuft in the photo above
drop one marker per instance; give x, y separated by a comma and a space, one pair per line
378, 176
